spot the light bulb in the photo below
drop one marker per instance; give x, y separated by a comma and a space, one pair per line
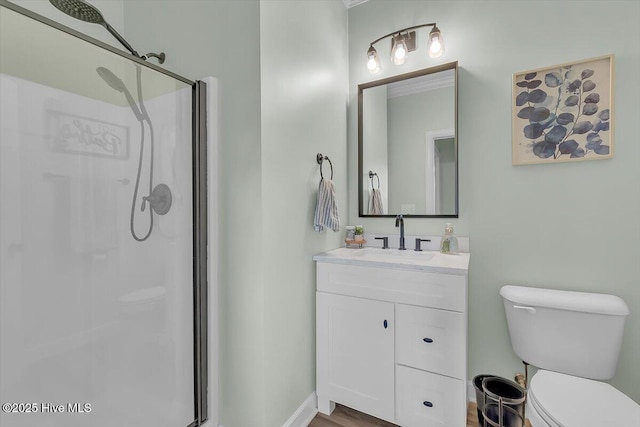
435, 47
373, 63
399, 50
436, 43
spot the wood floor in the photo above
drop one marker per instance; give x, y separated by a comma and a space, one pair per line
347, 417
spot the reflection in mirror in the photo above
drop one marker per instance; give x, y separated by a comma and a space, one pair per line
407, 144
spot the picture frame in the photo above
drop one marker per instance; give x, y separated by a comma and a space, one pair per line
87, 136
563, 113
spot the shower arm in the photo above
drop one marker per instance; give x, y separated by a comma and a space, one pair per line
160, 56
121, 39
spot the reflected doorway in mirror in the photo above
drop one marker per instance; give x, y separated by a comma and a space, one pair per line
440, 171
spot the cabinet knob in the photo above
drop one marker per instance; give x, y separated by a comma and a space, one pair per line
427, 404
427, 340
385, 324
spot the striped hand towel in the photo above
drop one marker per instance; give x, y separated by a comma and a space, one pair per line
375, 203
326, 207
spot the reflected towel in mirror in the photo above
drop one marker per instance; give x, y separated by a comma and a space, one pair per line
375, 203
326, 207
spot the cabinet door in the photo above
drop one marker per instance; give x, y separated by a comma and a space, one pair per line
355, 340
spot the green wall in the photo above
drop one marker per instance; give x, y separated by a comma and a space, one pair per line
568, 226
304, 79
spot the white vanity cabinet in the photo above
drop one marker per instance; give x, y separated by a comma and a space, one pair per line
392, 339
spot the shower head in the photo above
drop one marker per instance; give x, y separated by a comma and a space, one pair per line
111, 79
79, 9
84, 11
117, 84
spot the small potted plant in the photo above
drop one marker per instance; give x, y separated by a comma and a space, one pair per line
359, 233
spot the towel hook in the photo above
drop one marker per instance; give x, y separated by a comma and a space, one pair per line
371, 175
320, 159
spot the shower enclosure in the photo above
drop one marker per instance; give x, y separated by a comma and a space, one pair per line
102, 234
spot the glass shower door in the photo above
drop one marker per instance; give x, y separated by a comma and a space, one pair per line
96, 235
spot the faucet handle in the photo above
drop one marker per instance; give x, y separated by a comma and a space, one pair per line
418, 243
385, 241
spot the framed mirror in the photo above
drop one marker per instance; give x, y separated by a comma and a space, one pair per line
408, 146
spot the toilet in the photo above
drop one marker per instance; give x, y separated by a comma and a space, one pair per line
574, 340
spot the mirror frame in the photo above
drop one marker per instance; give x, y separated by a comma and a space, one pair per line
419, 73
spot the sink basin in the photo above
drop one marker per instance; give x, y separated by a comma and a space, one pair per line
396, 253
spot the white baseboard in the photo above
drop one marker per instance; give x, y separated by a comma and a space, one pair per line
305, 413
471, 392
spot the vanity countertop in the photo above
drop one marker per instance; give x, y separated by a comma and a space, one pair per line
393, 258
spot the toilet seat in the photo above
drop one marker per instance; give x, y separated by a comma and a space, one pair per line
567, 401
536, 413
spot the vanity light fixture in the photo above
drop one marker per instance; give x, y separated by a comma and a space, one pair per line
403, 42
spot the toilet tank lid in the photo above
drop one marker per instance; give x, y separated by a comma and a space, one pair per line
565, 300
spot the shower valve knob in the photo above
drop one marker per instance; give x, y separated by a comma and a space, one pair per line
160, 199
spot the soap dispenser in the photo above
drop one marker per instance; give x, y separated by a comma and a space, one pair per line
449, 242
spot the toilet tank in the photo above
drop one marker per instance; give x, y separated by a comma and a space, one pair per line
575, 333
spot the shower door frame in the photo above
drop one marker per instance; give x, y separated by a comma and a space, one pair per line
199, 225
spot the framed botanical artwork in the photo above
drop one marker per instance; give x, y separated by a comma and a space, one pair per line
563, 113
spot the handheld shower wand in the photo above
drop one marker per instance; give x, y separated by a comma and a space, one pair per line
159, 197
119, 85
86, 12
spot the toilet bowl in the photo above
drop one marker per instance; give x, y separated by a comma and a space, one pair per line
574, 338
559, 400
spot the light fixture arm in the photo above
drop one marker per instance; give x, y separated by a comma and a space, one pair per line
433, 24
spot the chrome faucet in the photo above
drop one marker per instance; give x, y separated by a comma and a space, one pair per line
400, 223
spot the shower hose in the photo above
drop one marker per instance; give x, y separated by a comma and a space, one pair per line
146, 117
